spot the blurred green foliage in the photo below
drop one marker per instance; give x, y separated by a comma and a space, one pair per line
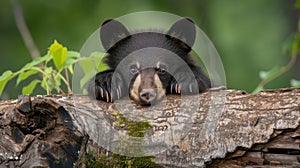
55, 70
51, 77
249, 35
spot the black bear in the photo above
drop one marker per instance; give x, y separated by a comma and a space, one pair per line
147, 65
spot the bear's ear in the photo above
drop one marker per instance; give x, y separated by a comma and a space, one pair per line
184, 30
111, 31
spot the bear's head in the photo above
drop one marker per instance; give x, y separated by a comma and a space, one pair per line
146, 61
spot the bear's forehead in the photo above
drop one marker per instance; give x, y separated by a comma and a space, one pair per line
147, 49
152, 56
144, 40
149, 38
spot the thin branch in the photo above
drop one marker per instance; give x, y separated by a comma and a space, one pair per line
20, 22
68, 81
284, 68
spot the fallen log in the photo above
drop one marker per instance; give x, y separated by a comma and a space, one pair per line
219, 128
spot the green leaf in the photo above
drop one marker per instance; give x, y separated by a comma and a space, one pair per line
36, 61
295, 83
4, 78
86, 78
59, 54
25, 75
91, 65
267, 74
97, 57
69, 62
70, 67
73, 54
102, 67
30, 87
6, 75
87, 65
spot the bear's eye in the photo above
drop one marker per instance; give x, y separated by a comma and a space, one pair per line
162, 69
133, 69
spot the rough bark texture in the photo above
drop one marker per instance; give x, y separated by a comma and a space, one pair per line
219, 128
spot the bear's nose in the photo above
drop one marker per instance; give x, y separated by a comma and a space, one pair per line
147, 95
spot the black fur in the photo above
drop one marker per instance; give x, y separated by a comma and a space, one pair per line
120, 43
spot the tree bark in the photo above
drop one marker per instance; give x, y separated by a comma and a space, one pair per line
218, 128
